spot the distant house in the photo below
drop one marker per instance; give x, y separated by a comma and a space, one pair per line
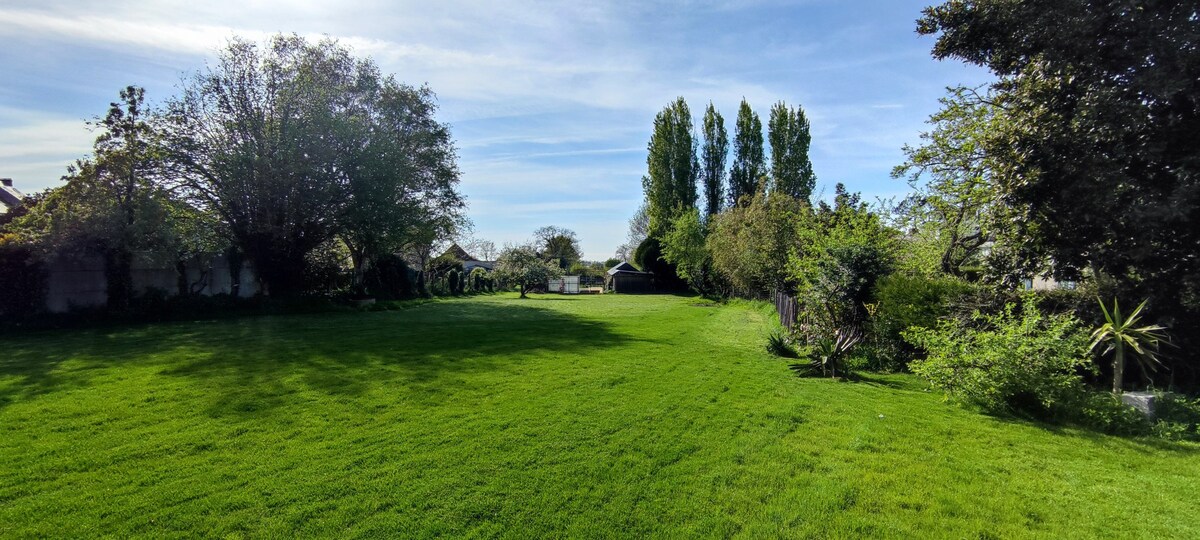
469, 261
10, 198
626, 278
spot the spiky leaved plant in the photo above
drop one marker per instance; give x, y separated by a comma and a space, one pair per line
1118, 332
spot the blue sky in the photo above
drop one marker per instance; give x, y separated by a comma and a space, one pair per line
551, 103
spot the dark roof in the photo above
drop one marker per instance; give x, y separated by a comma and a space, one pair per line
458, 253
625, 268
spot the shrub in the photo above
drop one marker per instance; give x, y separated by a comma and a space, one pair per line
1020, 362
649, 257
778, 345
478, 279
903, 302
22, 279
388, 279
1177, 417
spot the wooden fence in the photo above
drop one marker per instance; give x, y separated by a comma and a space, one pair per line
788, 309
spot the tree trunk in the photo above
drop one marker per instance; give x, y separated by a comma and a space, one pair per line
118, 276
234, 258
1118, 368
181, 281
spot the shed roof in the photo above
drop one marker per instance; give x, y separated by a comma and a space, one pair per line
625, 268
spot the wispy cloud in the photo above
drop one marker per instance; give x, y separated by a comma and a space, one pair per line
551, 103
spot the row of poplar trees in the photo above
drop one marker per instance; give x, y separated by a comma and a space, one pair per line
675, 167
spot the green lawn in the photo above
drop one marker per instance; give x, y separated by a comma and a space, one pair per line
606, 416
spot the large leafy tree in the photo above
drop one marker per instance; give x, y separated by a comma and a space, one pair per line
950, 208
558, 245
260, 138
524, 267
750, 243
401, 174
712, 160
684, 247
791, 168
670, 184
109, 206
749, 161
1097, 164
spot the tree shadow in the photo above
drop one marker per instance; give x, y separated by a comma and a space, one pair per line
254, 363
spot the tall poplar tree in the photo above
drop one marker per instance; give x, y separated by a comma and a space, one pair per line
716, 148
672, 166
791, 170
749, 162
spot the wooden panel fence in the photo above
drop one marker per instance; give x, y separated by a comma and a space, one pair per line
788, 309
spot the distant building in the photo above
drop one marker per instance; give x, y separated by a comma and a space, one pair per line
626, 278
469, 261
10, 198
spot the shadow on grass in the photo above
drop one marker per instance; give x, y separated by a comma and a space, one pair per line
254, 363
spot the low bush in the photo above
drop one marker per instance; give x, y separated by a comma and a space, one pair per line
23, 287
390, 279
903, 302
1016, 361
1177, 417
778, 344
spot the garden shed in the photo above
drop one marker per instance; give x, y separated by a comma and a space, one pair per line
626, 278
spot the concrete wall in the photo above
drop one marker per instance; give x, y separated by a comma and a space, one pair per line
79, 282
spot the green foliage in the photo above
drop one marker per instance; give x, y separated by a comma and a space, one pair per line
903, 302
749, 160
649, 258
423, 286
712, 160
524, 267
611, 262
1016, 361
480, 280
779, 345
750, 243
1119, 332
295, 143
949, 213
1095, 158
109, 207
390, 279
791, 169
558, 245
830, 351
670, 184
846, 250
23, 282
683, 246
1177, 417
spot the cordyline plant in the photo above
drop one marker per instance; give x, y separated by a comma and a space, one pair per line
1119, 332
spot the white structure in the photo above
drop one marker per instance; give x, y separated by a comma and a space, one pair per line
564, 285
9, 196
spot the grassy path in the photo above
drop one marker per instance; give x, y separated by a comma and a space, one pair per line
609, 416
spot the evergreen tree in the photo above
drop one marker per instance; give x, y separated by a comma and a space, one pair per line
791, 170
716, 148
673, 168
748, 159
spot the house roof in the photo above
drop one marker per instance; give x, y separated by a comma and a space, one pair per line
458, 253
9, 196
625, 268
